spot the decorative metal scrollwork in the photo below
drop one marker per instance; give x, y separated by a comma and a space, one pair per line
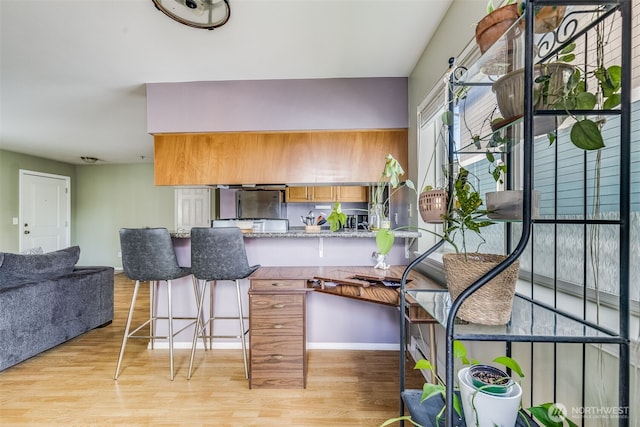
552, 41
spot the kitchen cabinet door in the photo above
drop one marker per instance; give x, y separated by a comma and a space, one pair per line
352, 193
324, 194
311, 194
298, 194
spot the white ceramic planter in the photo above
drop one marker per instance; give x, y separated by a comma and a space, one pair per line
507, 204
487, 410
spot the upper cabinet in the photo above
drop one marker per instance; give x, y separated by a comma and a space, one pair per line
347, 193
352, 193
276, 157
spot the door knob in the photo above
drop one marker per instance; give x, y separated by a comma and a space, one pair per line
26, 232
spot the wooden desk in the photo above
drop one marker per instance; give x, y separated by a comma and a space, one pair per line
277, 314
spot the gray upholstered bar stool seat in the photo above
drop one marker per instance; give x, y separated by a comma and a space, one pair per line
219, 254
148, 255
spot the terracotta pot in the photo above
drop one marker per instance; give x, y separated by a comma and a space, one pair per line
494, 25
548, 18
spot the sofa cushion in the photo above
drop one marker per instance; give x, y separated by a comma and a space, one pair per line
40, 266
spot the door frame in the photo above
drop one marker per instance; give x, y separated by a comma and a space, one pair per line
67, 180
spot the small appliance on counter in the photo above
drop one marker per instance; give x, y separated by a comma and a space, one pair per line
260, 225
357, 222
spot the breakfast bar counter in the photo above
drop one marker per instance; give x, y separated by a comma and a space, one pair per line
301, 233
363, 324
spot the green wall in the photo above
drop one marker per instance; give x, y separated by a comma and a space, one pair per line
109, 197
10, 165
104, 198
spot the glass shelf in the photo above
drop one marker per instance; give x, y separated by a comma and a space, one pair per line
485, 143
507, 53
529, 322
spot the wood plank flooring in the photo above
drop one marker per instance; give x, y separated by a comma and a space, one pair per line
72, 385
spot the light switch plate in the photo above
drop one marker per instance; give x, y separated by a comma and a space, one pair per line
14, 221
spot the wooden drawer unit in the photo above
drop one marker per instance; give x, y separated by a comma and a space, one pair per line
277, 333
277, 284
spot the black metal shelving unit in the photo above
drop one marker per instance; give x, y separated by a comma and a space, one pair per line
533, 321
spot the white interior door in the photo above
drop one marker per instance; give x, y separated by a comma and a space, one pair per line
193, 208
44, 211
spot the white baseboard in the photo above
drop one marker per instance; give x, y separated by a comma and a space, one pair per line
352, 346
164, 344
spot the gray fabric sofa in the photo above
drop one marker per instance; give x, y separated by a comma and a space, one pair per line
46, 300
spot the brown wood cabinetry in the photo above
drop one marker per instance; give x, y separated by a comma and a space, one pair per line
277, 328
277, 317
350, 193
307, 157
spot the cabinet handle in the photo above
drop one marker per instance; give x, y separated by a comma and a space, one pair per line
278, 326
278, 305
276, 284
277, 356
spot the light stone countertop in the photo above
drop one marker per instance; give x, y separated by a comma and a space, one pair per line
300, 233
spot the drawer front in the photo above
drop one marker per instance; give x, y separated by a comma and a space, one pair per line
280, 325
276, 306
262, 378
278, 284
277, 348
277, 353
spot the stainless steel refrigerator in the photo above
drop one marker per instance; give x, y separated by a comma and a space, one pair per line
255, 204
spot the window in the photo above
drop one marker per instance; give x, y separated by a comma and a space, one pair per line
555, 252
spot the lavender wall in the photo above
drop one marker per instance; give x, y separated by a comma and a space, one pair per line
332, 322
257, 105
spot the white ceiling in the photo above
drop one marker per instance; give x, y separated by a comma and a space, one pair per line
72, 72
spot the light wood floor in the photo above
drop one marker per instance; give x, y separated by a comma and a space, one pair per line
72, 385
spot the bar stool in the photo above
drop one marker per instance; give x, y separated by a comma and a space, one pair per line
148, 255
219, 254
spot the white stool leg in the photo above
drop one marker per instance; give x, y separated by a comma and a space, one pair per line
199, 328
243, 335
126, 329
170, 327
153, 311
212, 286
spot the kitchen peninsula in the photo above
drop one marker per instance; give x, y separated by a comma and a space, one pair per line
313, 290
362, 325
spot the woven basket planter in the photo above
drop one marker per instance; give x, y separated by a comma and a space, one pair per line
432, 205
491, 304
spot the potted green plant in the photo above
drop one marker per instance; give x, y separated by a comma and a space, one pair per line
562, 86
549, 81
506, 204
379, 206
390, 177
479, 403
432, 204
433, 201
337, 218
491, 304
